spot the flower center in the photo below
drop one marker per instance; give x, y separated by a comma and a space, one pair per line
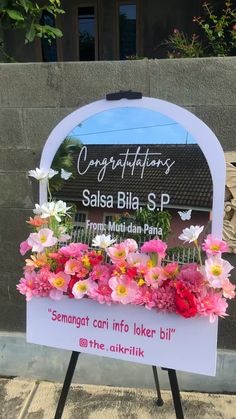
216, 270
215, 247
58, 282
121, 290
43, 238
82, 287
141, 282
120, 253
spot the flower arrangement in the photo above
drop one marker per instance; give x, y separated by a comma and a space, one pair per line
120, 272
111, 272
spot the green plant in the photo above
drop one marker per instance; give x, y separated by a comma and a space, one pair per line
217, 36
26, 15
220, 31
64, 159
184, 47
156, 219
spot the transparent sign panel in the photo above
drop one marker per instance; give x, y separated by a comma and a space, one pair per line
135, 173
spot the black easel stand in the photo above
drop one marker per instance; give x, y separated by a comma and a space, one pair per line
66, 384
172, 378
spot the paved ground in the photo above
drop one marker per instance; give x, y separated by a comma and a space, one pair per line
20, 399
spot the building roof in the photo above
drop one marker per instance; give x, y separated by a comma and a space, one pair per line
188, 183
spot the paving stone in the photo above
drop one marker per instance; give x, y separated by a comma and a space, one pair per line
13, 394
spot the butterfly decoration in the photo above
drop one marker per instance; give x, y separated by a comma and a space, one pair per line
185, 215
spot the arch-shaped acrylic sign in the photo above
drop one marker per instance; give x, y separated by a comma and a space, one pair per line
196, 128
126, 149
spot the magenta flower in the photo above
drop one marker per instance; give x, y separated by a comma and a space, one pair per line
24, 247
118, 252
155, 246
213, 246
212, 305
123, 290
44, 238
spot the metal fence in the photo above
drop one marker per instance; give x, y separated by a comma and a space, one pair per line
181, 254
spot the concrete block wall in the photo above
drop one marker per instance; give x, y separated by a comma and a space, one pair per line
35, 97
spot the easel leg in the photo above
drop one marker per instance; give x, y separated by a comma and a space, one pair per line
66, 384
175, 393
159, 401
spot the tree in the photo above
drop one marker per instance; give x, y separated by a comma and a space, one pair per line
26, 15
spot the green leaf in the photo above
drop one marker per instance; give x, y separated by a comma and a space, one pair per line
25, 4
14, 14
30, 34
57, 32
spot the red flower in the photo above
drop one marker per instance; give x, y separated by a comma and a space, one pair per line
131, 272
185, 301
70, 286
94, 258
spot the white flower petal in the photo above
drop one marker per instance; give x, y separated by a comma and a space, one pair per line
65, 175
191, 234
52, 173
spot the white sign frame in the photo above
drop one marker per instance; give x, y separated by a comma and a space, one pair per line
205, 138
199, 349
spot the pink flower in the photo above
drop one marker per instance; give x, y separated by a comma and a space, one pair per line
228, 289
101, 293
42, 284
216, 270
83, 287
24, 247
118, 252
131, 245
146, 296
213, 246
26, 285
191, 277
154, 276
44, 238
138, 259
212, 305
155, 246
73, 249
171, 270
72, 266
100, 272
165, 299
123, 290
60, 280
